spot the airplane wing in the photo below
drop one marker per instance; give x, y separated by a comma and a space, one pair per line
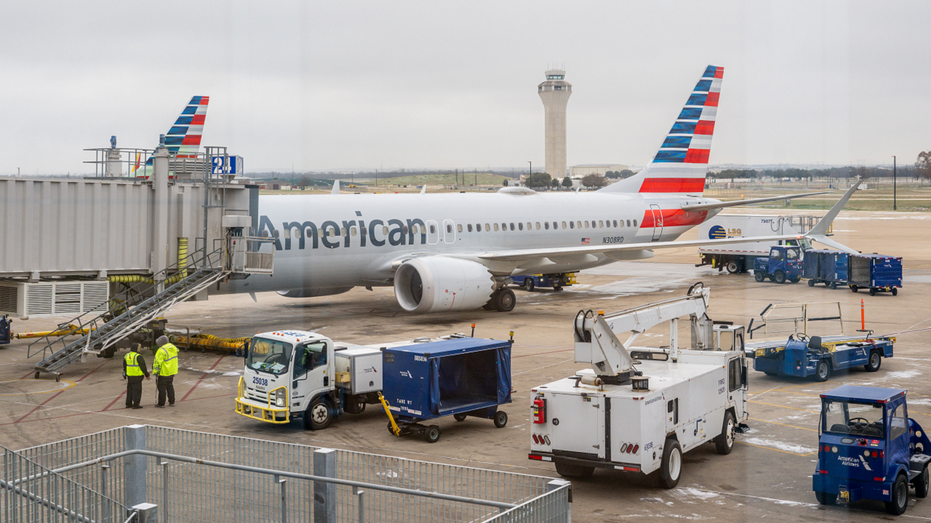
721, 205
581, 253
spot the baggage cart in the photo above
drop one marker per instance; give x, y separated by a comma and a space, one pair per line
876, 272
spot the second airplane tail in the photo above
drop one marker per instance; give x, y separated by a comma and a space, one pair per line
680, 165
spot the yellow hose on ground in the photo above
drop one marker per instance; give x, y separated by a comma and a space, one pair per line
207, 341
64, 331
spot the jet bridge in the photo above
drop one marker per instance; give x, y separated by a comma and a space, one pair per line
115, 251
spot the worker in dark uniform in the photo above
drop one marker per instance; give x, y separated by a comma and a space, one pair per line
134, 370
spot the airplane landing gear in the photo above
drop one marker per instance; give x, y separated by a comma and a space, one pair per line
502, 300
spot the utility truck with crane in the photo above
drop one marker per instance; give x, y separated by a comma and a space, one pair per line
640, 409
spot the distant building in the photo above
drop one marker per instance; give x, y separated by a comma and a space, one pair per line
581, 171
555, 92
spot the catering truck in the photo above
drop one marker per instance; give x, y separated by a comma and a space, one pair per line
640, 409
739, 257
300, 375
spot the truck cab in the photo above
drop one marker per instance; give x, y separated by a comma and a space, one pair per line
289, 374
869, 448
783, 264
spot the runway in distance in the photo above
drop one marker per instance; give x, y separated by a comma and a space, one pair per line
450, 252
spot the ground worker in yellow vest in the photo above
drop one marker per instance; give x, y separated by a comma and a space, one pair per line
165, 368
134, 370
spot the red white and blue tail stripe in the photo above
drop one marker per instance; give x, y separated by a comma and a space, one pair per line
183, 139
681, 163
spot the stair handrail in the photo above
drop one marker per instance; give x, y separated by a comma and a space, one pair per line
196, 260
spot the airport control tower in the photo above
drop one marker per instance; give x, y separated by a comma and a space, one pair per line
555, 93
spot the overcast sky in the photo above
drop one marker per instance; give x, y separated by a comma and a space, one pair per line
389, 85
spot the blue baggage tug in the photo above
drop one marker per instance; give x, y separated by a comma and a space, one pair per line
803, 357
824, 266
6, 331
460, 377
869, 448
876, 272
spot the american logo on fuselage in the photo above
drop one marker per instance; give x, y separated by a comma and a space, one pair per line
332, 234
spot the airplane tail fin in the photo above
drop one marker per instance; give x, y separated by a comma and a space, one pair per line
681, 163
183, 138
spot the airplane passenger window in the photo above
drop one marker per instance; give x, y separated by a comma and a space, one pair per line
415, 229
432, 229
586, 224
512, 226
635, 223
564, 225
529, 226
487, 228
363, 231
470, 227
572, 225
546, 225
496, 227
628, 223
579, 224
342, 231
520, 226
555, 225
352, 231
459, 227
478, 227
538, 226
449, 228
402, 228
601, 223
275, 233
615, 223
384, 230
297, 233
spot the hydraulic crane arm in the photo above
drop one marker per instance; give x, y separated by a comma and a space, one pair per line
596, 340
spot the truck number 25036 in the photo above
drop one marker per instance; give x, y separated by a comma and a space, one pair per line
260, 381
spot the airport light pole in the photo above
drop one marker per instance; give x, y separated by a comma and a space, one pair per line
894, 202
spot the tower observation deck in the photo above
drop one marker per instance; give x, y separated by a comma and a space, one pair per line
555, 92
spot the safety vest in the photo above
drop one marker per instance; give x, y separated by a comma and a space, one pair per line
166, 360
132, 366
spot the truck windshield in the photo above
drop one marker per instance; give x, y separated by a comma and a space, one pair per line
856, 419
269, 355
792, 254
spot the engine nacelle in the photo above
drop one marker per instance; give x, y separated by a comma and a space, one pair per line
439, 284
313, 293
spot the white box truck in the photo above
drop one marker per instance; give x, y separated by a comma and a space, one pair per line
738, 257
639, 410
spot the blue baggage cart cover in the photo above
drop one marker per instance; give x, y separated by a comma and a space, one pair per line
440, 378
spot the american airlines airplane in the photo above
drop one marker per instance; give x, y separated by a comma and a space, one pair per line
449, 252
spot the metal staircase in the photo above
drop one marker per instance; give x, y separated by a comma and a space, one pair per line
180, 281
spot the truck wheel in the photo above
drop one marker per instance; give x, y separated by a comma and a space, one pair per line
671, 467
921, 484
779, 277
854, 288
432, 434
899, 502
318, 415
460, 417
528, 284
758, 276
872, 291
573, 471
732, 267
823, 371
874, 363
505, 300
826, 499
724, 442
895, 292
795, 279
501, 419
811, 283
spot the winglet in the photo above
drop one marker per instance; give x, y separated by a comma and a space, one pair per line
819, 232
335, 187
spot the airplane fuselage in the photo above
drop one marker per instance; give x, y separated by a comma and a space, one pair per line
341, 241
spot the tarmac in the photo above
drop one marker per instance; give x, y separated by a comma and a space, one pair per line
766, 477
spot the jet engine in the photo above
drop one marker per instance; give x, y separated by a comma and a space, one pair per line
439, 284
313, 293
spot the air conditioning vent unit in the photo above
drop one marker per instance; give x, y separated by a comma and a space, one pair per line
64, 298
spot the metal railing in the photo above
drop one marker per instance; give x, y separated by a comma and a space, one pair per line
31, 493
200, 477
179, 277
